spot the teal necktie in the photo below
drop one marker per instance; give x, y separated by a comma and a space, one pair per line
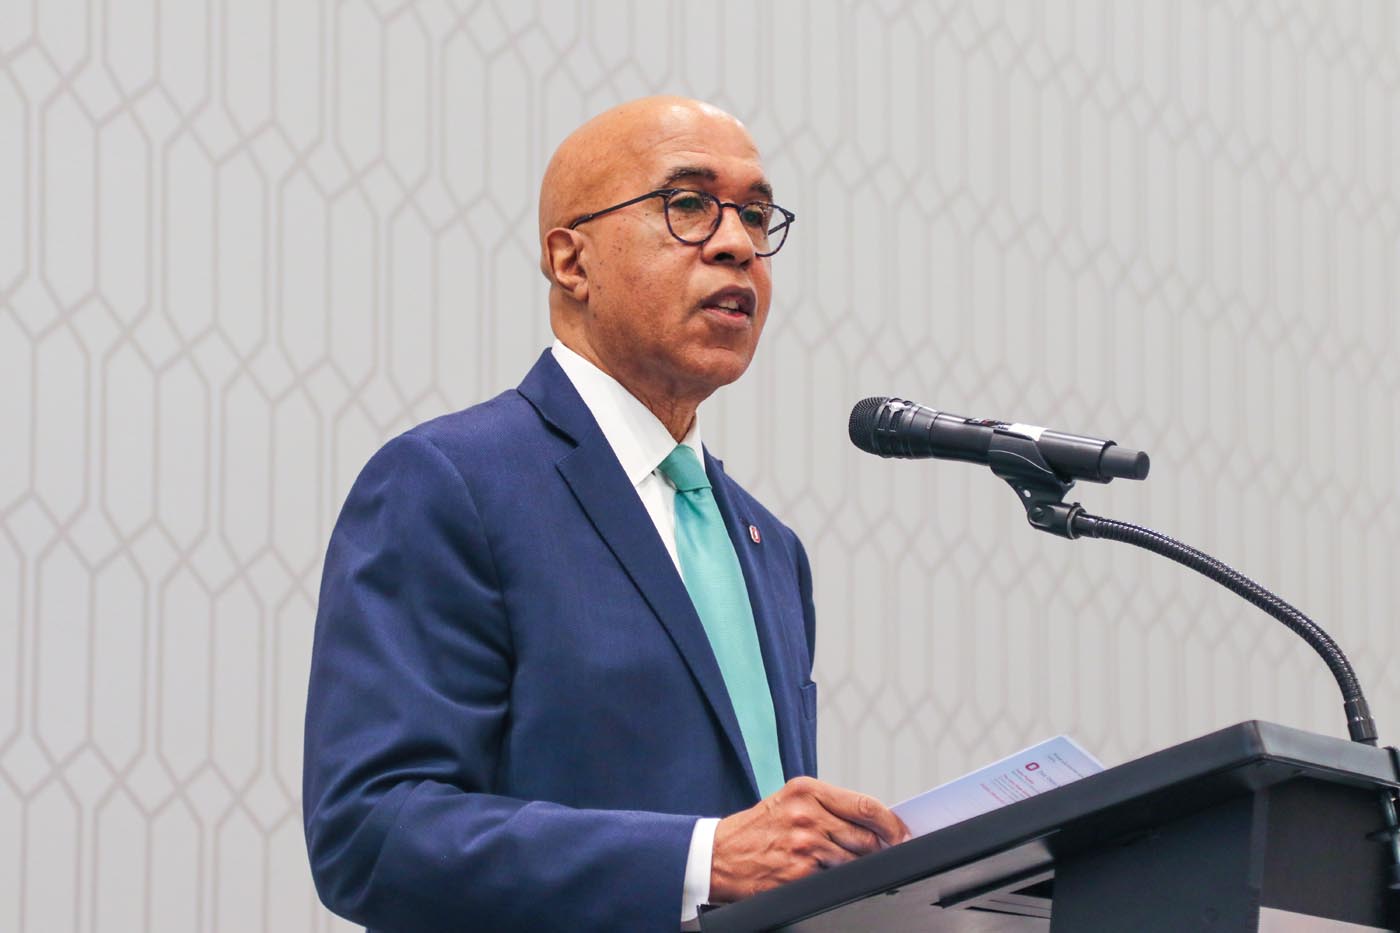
715, 582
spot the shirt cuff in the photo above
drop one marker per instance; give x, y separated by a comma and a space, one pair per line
697, 871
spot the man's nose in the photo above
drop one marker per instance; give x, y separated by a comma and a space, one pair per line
730, 241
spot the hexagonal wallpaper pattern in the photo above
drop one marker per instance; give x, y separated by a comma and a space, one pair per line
242, 244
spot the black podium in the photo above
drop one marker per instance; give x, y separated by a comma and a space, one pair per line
1254, 827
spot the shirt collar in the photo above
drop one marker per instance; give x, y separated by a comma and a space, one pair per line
637, 436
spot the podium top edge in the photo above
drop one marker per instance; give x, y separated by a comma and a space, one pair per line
1324, 756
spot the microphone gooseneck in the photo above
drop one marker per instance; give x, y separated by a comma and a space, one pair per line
1360, 726
1042, 466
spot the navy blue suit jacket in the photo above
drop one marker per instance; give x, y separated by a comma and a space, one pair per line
515, 717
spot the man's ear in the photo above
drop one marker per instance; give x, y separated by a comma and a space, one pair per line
563, 256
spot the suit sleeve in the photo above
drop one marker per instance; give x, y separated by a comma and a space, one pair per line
409, 701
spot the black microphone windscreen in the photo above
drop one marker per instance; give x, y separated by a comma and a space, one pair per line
862, 425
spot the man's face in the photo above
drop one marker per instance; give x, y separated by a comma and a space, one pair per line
655, 310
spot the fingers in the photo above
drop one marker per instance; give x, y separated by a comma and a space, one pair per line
854, 839
818, 849
804, 827
860, 809
783, 838
833, 854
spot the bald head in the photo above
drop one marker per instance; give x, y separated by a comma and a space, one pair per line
602, 161
671, 320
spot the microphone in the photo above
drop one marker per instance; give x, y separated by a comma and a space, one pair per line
1041, 467
893, 427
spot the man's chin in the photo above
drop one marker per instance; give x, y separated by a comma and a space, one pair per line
717, 367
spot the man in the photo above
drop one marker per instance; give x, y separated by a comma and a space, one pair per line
560, 656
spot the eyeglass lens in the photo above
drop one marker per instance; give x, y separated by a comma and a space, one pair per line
695, 215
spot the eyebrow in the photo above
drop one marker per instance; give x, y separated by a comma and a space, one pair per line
692, 173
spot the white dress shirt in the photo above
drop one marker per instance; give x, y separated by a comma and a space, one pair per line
641, 442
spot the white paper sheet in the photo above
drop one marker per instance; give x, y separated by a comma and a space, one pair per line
1031, 771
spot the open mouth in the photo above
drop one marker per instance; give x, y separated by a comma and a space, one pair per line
733, 302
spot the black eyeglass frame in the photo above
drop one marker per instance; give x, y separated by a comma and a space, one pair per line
668, 193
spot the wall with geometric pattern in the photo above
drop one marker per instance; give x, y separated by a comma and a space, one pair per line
243, 244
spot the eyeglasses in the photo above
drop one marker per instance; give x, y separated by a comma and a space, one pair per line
694, 216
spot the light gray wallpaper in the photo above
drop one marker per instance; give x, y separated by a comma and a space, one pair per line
244, 243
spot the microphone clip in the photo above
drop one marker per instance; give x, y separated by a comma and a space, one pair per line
1039, 489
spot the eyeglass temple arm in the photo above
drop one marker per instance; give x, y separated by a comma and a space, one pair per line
663, 193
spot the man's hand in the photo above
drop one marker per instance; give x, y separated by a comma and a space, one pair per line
806, 826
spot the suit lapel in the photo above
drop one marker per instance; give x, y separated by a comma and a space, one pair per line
774, 637
598, 482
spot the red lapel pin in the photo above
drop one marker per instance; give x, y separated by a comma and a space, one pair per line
753, 533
